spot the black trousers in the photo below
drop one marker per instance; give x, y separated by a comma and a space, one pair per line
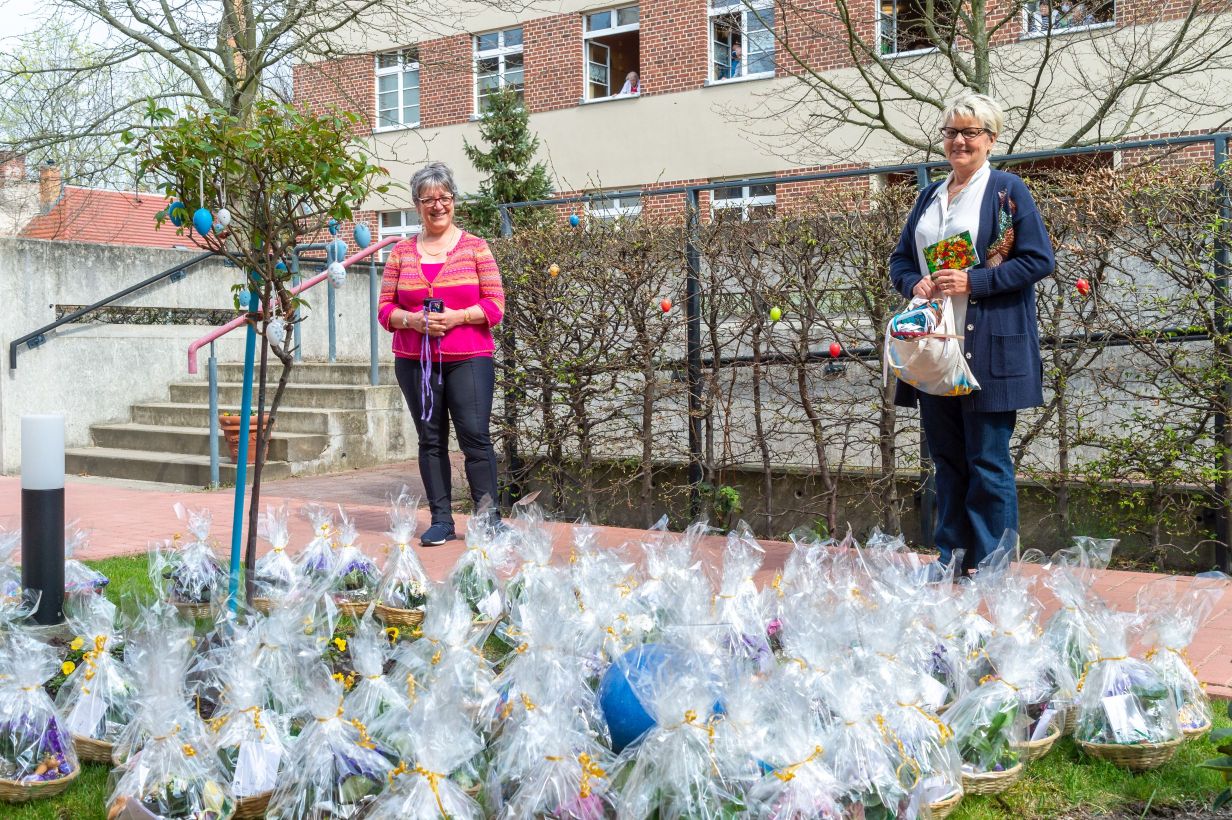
463, 393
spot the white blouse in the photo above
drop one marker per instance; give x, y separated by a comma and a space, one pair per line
944, 218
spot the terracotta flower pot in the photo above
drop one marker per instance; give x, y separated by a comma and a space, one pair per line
231, 432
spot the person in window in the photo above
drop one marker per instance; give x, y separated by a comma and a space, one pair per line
736, 53
994, 308
632, 84
1065, 18
443, 358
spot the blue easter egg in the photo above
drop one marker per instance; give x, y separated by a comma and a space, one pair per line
627, 716
363, 235
574, 220
333, 227
177, 213
281, 265
244, 298
335, 251
203, 221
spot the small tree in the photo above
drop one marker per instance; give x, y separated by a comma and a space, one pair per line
281, 173
513, 175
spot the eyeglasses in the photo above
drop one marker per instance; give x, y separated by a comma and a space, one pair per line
968, 133
446, 201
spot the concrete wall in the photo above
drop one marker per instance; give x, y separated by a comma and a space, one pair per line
92, 373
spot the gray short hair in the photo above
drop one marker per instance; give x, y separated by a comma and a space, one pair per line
977, 106
433, 175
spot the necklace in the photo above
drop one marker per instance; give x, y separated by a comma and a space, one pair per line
446, 242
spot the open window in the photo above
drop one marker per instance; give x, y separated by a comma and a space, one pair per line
612, 44
741, 39
397, 89
398, 223
1041, 17
744, 202
901, 27
498, 65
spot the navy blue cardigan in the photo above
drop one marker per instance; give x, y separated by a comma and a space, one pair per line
1002, 332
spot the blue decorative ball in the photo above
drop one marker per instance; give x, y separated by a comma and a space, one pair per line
177, 213
363, 235
333, 227
281, 265
627, 716
203, 221
574, 220
335, 251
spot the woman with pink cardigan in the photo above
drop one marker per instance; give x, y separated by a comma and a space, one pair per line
440, 297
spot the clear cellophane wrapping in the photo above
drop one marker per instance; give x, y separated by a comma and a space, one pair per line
356, 576
318, 560
404, 583
79, 579
187, 569
276, 571
252, 740
477, 573
99, 697
35, 746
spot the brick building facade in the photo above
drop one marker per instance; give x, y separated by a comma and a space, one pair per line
569, 67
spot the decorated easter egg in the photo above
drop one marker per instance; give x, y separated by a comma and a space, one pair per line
202, 221
554, 270
333, 227
1083, 286
574, 220
363, 235
337, 274
177, 213
776, 314
665, 305
836, 350
222, 220
335, 250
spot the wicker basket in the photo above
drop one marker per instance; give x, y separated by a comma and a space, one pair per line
985, 783
1033, 750
91, 750
1137, 757
15, 791
353, 609
262, 605
253, 807
1197, 731
392, 616
1070, 720
193, 611
941, 809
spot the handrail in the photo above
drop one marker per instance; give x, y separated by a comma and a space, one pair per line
240, 320
37, 337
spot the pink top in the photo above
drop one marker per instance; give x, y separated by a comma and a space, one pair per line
467, 278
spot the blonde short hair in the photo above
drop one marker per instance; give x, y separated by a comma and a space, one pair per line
977, 106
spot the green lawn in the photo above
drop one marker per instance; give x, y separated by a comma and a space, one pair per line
1064, 781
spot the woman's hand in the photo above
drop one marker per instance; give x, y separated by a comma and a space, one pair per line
924, 289
952, 282
440, 323
410, 320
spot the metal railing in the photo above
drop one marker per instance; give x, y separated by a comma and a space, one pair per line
37, 337
694, 364
296, 289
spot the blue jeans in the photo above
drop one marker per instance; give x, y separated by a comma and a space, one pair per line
977, 498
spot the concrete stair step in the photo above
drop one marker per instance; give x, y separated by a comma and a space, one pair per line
335, 373
146, 465
196, 441
328, 421
296, 395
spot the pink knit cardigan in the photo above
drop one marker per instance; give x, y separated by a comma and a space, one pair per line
469, 278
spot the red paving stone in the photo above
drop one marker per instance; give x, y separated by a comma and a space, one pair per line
125, 519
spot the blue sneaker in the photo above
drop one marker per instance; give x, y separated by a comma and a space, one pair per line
437, 534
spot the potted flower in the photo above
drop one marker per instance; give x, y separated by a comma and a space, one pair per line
230, 424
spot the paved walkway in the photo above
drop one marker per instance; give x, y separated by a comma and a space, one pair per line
125, 517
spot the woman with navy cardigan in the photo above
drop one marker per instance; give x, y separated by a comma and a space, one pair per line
994, 310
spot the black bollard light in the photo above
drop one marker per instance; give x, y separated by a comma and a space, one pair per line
42, 513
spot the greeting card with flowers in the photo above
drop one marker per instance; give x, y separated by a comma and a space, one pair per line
955, 252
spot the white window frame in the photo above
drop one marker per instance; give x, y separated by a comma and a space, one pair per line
500, 53
891, 20
1056, 30
745, 201
755, 9
400, 69
404, 228
615, 212
615, 28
